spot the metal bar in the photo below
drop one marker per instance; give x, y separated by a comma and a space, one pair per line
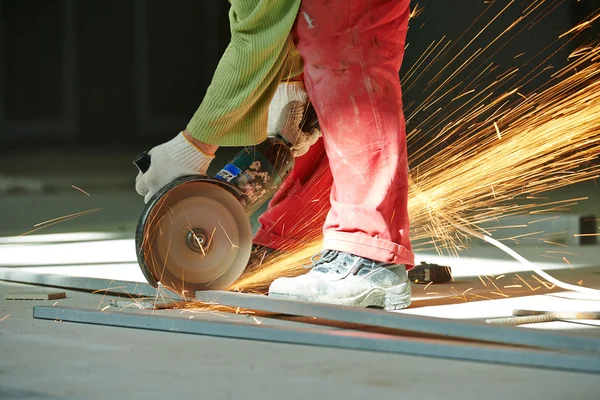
127, 308
521, 320
559, 314
450, 328
522, 317
346, 339
88, 284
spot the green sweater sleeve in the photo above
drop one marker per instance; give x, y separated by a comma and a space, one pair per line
260, 55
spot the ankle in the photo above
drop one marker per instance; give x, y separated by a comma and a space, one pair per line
208, 149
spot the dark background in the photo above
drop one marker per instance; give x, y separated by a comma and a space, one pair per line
130, 73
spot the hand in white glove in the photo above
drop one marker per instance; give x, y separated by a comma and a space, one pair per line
287, 112
169, 161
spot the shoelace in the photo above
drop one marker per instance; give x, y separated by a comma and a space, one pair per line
325, 257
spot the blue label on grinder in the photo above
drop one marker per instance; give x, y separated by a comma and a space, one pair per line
228, 173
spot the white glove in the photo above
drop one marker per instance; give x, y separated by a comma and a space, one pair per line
169, 161
286, 112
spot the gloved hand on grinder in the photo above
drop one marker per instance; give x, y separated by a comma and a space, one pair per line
183, 156
288, 115
176, 158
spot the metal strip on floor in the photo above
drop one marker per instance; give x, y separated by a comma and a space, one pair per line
471, 330
344, 339
84, 283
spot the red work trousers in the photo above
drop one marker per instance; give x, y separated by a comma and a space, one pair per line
352, 52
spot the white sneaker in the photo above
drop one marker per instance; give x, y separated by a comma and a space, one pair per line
345, 279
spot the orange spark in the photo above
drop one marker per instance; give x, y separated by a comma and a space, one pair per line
80, 189
546, 284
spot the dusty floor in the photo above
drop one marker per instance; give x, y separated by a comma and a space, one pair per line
58, 360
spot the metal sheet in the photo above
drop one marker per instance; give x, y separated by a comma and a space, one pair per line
471, 330
84, 283
346, 339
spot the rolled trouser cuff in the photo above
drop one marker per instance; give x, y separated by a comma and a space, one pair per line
369, 247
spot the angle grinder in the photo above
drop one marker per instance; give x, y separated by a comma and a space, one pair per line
195, 233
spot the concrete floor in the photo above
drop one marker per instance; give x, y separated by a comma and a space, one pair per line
54, 360
58, 360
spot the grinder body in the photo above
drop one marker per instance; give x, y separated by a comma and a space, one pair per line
257, 172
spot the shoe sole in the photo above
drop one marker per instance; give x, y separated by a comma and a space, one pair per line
398, 297
394, 298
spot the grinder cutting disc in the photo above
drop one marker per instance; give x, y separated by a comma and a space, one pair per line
193, 235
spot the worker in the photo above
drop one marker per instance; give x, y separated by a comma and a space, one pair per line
343, 56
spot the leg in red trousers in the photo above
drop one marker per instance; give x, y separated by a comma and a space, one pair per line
352, 52
296, 214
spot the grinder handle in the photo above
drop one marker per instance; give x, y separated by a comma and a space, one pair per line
142, 161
